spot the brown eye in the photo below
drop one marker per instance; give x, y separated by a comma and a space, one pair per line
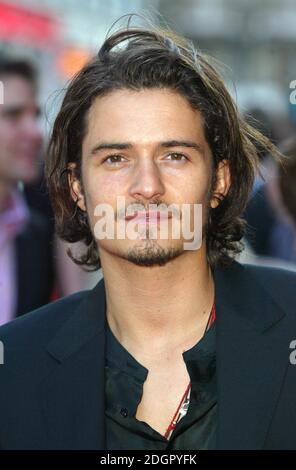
178, 156
112, 159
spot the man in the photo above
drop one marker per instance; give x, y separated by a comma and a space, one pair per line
140, 362
26, 273
274, 203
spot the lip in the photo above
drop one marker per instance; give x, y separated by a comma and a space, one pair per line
148, 217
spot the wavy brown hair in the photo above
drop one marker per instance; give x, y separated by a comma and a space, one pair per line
156, 57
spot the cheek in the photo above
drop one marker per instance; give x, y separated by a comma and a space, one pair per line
101, 189
204, 183
197, 191
196, 188
8, 136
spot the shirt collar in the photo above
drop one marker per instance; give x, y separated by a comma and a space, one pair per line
14, 218
203, 352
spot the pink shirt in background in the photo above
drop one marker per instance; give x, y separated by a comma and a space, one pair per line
12, 221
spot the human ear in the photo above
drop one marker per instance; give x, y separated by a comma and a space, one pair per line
223, 182
75, 186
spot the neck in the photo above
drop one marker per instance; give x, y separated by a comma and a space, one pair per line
158, 308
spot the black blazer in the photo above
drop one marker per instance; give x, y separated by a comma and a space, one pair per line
52, 380
34, 264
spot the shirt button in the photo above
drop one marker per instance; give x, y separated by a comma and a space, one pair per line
124, 412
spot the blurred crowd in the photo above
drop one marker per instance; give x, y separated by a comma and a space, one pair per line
34, 266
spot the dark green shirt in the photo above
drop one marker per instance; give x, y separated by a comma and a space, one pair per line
124, 379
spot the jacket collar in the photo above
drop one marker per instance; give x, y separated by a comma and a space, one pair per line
88, 319
73, 392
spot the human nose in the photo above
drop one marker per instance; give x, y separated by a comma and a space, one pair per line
146, 181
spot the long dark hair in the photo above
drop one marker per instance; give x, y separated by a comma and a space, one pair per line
156, 57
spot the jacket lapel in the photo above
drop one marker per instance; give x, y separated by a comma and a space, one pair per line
73, 392
251, 359
24, 282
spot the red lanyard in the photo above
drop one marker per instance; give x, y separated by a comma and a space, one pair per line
177, 415
212, 317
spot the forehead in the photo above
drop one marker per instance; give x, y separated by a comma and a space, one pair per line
144, 116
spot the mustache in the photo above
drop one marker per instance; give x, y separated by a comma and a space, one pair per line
144, 206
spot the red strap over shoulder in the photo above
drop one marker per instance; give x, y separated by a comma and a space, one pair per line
174, 421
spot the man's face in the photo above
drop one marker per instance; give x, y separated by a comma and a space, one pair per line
20, 136
144, 171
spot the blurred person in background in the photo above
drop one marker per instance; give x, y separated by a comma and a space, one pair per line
260, 120
26, 261
271, 212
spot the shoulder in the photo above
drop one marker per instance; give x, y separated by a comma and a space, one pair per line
277, 283
272, 276
266, 274
38, 326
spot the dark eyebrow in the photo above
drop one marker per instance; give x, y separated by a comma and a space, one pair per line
165, 144
111, 145
182, 143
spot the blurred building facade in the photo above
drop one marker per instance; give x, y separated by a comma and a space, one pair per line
254, 39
